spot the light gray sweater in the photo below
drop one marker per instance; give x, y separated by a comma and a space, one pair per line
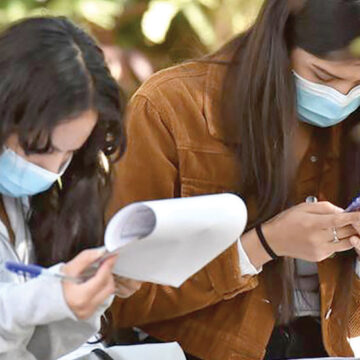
35, 321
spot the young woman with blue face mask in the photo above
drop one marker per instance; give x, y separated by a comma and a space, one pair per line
60, 119
274, 117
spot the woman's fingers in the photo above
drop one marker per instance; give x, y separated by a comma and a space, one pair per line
357, 228
129, 283
342, 245
312, 228
104, 293
126, 287
123, 293
101, 278
82, 261
83, 299
342, 233
92, 301
338, 220
355, 242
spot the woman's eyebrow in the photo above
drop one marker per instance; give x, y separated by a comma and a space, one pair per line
327, 73
61, 150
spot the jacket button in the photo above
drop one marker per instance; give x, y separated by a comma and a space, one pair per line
286, 335
328, 314
266, 301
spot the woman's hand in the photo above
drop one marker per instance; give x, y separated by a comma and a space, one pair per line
125, 287
85, 298
306, 231
355, 240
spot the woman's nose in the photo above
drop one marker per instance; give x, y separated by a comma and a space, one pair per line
344, 87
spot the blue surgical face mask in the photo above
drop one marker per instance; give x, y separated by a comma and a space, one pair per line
322, 105
19, 177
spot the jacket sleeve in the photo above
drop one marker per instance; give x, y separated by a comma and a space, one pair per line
340, 303
149, 170
354, 316
36, 322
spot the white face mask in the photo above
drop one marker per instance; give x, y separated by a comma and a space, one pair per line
322, 105
20, 177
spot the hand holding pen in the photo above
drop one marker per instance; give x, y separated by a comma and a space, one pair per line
84, 298
352, 207
87, 280
355, 239
83, 294
312, 231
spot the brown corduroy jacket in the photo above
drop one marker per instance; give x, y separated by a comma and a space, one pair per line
176, 148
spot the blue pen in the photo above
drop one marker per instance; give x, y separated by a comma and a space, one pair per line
36, 270
354, 206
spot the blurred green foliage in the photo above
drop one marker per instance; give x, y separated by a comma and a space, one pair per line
100, 12
157, 32
145, 23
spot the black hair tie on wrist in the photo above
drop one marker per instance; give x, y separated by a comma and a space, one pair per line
264, 243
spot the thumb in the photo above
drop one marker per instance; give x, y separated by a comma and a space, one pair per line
80, 262
355, 242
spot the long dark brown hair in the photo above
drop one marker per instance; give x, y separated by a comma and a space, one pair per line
260, 104
50, 71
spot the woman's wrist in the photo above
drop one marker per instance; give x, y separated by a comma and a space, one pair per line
254, 249
264, 242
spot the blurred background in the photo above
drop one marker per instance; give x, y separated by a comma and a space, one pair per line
143, 36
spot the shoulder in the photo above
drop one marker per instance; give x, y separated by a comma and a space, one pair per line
185, 82
187, 98
187, 73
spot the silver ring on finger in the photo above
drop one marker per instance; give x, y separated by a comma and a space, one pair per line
335, 236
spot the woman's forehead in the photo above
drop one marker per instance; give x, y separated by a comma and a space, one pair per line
336, 61
72, 134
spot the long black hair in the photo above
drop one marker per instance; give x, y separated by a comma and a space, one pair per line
52, 71
260, 104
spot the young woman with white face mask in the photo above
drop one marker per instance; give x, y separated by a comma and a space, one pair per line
274, 117
60, 117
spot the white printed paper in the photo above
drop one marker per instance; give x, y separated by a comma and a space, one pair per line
163, 351
167, 241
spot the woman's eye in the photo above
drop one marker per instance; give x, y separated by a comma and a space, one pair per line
323, 77
50, 150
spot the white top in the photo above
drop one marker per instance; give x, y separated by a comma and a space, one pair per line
35, 320
306, 297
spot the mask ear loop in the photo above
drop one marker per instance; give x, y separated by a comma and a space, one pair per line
60, 184
62, 171
104, 162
